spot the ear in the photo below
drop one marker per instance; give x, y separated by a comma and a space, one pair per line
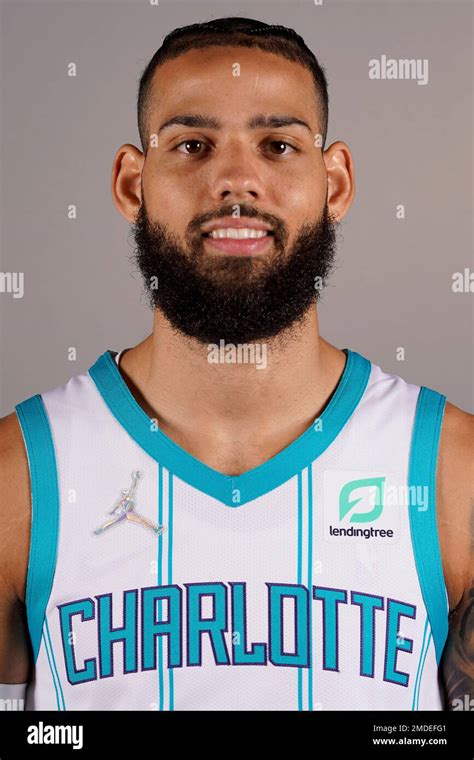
341, 184
126, 181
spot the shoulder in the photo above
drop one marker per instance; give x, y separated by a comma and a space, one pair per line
15, 506
455, 499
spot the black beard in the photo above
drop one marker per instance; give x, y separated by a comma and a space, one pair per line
238, 299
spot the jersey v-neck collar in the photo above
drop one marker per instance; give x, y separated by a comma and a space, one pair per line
233, 491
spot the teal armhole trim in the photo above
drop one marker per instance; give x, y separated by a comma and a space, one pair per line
424, 531
44, 513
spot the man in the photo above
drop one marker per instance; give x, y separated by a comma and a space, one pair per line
235, 514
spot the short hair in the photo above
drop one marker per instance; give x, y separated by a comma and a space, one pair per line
233, 31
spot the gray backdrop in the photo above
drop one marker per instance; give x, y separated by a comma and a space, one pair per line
412, 145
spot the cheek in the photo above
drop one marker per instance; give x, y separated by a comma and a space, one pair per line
301, 200
170, 203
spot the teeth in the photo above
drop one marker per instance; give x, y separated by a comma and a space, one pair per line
238, 233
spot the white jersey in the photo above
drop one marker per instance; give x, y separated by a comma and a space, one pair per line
311, 582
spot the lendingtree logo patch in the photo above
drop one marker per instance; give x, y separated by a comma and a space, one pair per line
375, 498
359, 504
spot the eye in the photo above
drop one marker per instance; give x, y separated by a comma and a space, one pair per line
190, 143
281, 143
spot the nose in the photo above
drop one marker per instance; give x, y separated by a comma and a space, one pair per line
236, 175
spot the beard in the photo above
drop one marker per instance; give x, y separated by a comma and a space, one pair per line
238, 299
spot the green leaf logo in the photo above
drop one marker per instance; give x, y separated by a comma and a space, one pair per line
345, 505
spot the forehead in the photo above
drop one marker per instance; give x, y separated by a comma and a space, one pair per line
231, 80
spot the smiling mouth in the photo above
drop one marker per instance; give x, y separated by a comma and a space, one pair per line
238, 241
238, 233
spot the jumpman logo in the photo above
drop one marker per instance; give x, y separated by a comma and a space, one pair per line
125, 510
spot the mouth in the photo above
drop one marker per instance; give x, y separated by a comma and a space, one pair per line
243, 241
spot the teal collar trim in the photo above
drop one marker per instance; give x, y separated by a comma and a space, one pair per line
233, 491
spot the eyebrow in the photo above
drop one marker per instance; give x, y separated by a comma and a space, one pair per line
255, 122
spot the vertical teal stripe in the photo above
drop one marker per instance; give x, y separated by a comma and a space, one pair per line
160, 583
419, 665
54, 663
299, 573
170, 571
421, 671
46, 649
52, 670
39, 446
310, 583
423, 525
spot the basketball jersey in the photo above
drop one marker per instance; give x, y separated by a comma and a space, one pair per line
311, 582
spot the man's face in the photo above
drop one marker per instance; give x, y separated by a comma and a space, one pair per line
269, 175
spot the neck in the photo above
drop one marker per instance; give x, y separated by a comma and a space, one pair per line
204, 405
